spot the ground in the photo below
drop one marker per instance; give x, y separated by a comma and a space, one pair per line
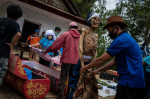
6, 92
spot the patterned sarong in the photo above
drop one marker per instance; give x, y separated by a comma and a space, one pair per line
86, 87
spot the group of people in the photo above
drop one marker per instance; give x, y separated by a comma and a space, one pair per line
43, 42
79, 55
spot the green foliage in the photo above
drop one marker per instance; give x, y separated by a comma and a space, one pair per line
84, 6
99, 6
104, 40
137, 16
135, 13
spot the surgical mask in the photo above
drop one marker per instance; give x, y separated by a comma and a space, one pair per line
56, 33
112, 35
44, 35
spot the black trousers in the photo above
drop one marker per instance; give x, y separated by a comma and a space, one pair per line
66, 69
124, 92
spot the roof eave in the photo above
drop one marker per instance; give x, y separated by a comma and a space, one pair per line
54, 10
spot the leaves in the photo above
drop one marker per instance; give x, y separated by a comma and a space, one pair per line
137, 16
135, 13
84, 6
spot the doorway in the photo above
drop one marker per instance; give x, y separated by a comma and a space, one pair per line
28, 28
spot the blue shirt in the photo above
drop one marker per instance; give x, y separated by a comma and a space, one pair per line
46, 43
128, 58
61, 50
147, 60
147, 67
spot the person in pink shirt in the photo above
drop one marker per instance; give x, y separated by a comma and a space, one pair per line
70, 55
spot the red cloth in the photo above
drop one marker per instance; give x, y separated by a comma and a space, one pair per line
70, 43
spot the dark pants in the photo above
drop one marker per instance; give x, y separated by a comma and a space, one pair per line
73, 81
55, 54
65, 70
124, 92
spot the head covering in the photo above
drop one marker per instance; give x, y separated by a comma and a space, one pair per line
90, 16
114, 20
73, 24
37, 31
50, 32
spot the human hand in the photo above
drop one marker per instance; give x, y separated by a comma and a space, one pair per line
83, 69
59, 55
30, 45
11, 52
10, 45
94, 72
83, 29
25, 45
44, 51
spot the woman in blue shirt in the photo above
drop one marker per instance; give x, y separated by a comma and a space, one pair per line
45, 43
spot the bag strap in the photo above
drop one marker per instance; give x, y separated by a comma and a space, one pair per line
46, 45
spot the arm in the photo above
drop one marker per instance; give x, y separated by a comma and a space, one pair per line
37, 45
28, 39
59, 52
95, 52
97, 62
81, 46
109, 65
57, 44
16, 38
144, 63
95, 55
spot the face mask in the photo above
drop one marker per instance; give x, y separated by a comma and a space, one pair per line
44, 35
57, 33
36, 35
112, 35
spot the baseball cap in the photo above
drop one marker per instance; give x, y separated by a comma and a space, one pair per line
36, 31
73, 24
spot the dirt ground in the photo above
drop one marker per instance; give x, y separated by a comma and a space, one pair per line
6, 92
